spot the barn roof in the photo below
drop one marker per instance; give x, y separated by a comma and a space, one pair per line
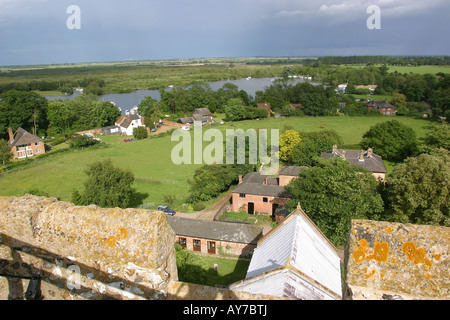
253, 184
369, 160
215, 230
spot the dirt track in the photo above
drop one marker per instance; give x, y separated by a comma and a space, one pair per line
208, 213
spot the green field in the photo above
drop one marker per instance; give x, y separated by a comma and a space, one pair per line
150, 159
411, 69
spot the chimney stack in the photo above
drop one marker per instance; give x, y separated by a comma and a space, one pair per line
334, 148
343, 155
240, 178
11, 135
369, 152
361, 155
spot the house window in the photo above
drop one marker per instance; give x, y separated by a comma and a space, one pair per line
21, 154
265, 199
38, 151
197, 245
29, 152
211, 247
242, 195
182, 242
36, 143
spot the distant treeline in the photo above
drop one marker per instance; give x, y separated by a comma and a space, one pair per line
391, 60
92, 85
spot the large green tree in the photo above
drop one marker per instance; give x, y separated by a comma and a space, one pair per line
235, 110
60, 117
392, 140
312, 145
22, 109
438, 137
5, 152
417, 191
107, 186
335, 192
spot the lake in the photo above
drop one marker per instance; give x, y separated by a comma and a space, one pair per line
127, 101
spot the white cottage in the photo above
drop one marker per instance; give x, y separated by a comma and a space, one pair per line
128, 123
294, 260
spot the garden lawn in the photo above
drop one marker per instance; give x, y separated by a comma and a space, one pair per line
230, 270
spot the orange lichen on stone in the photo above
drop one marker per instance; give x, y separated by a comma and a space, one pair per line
122, 234
417, 255
360, 254
111, 241
370, 274
388, 230
380, 252
437, 257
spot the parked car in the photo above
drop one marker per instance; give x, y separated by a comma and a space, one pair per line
170, 212
167, 210
186, 128
128, 140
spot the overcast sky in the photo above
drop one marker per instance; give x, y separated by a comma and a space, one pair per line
36, 32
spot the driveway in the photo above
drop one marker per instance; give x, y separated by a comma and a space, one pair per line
208, 213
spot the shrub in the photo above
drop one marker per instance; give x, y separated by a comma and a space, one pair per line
81, 142
198, 207
107, 186
140, 133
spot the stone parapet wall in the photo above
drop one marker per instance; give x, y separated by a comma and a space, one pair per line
130, 249
91, 253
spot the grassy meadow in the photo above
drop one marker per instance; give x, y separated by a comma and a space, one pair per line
433, 69
150, 160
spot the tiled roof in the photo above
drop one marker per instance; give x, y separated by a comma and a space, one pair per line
370, 161
253, 184
292, 171
23, 137
216, 230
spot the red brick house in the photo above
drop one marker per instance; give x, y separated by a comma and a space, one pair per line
261, 194
24, 144
208, 237
383, 106
266, 106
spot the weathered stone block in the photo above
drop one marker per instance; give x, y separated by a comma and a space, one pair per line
397, 261
84, 247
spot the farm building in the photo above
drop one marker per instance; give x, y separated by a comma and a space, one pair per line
208, 236
366, 159
261, 194
202, 115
